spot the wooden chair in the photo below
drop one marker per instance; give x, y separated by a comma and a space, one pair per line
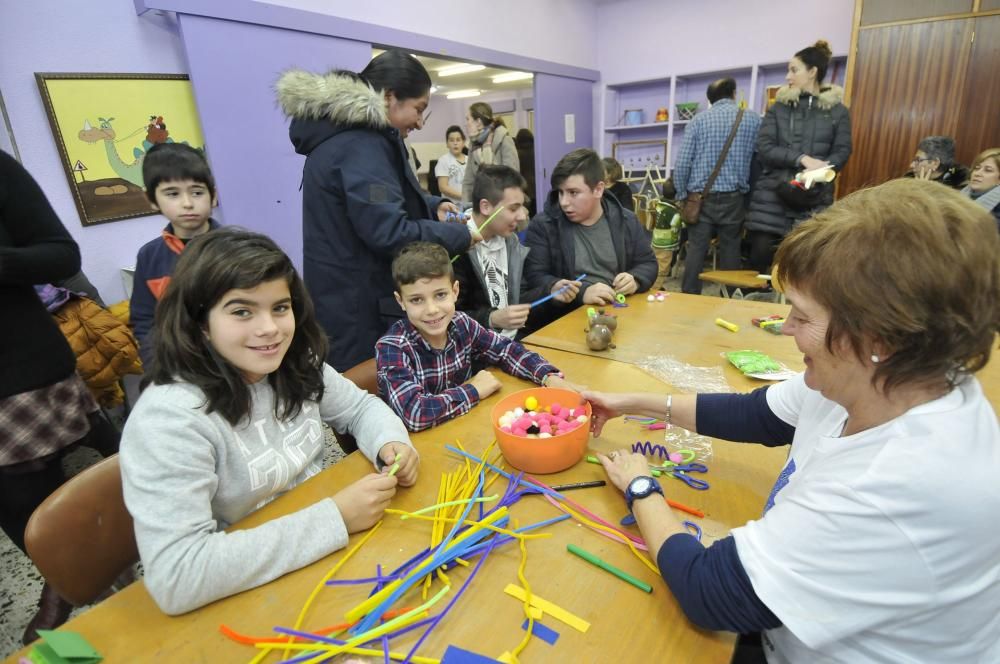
364, 376
81, 538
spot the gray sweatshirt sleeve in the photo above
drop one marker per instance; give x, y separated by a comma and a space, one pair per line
345, 406
171, 454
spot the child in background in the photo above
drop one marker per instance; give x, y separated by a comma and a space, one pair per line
231, 417
490, 273
620, 190
425, 363
450, 169
180, 186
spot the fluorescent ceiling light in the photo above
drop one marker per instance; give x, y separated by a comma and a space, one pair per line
459, 94
513, 76
464, 68
434, 89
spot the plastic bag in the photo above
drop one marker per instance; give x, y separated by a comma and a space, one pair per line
693, 380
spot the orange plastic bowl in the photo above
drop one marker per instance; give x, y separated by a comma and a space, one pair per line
542, 455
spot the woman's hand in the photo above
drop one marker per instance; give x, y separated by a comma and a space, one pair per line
605, 407
925, 170
811, 163
363, 503
409, 461
623, 466
446, 208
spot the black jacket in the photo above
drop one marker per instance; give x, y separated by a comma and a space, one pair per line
361, 203
35, 248
553, 253
797, 124
473, 294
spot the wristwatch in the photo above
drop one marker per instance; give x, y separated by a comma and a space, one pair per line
641, 487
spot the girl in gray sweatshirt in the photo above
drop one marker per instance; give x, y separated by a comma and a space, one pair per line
230, 418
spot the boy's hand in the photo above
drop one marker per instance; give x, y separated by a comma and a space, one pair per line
567, 296
362, 504
474, 238
407, 457
562, 383
485, 383
625, 284
510, 318
599, 294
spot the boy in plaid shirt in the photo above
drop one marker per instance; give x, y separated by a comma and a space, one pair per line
425, 361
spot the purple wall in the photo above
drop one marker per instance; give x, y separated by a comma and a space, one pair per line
83, 38
513, 28
646, 39
233, 69
626, 40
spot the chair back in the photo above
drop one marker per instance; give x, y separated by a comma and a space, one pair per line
364, 375
81, 538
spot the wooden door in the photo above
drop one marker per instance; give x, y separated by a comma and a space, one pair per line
979, 127
909, 82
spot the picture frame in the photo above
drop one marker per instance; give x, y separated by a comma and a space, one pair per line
103, 125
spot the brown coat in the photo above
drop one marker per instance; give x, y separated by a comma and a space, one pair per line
104, 347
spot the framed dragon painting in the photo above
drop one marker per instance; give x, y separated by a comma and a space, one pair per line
104, 124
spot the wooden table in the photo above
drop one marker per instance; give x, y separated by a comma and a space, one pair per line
625, 622
681, 326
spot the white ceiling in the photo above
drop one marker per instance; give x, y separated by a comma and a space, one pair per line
480, 80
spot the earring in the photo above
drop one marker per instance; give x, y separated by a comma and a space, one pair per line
876, 359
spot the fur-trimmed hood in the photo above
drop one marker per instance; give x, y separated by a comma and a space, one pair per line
321, 105
829, 96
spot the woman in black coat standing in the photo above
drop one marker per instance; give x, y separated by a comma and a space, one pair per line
361, 201
808, 127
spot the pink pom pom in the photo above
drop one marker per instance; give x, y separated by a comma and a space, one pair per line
505, 429
556, 408
522, 422
676, 457
519, 431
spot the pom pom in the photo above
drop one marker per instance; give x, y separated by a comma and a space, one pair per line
675, 457
531, 403
555, 409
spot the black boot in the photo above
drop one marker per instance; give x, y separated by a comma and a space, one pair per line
53, 611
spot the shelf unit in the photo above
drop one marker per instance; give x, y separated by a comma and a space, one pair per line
752, 82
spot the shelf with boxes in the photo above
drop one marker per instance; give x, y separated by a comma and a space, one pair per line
631, 136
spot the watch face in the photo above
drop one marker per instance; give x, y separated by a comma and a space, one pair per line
641, 485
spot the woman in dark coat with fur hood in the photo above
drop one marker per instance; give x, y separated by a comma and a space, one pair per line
361, 201
808, 127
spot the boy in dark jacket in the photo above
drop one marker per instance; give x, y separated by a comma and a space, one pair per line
581, 231
180, 186
490, 273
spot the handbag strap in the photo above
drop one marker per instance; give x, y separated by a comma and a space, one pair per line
722, 157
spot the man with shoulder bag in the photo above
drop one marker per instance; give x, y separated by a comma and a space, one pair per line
712, 177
